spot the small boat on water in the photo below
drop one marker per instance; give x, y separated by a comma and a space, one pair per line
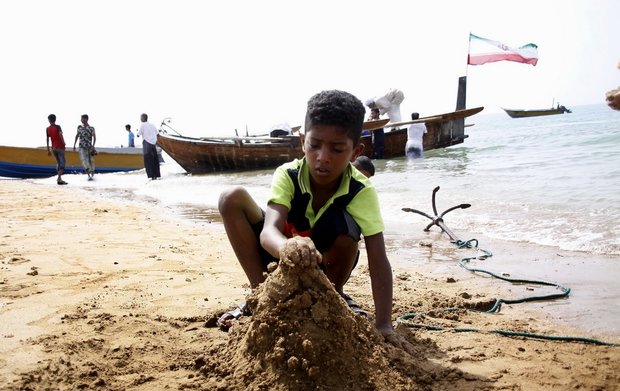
560, 109
200, 155
21, 162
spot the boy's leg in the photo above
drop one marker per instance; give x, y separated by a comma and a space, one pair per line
340, 260
239, 213
336, 236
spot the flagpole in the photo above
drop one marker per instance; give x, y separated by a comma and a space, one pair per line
468, 49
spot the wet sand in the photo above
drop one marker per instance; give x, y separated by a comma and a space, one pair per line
100, 293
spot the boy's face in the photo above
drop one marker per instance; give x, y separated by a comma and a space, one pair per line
328, 151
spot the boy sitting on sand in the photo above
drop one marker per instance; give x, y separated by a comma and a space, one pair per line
321, 196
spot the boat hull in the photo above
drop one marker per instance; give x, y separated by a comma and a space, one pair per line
20, 162
206, 155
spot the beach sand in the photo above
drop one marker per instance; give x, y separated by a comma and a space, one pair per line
98, 293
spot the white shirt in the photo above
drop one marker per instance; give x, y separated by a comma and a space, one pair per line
390, 104
149, 132
415, 134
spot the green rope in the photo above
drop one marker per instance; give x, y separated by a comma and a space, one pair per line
498, 302
405, 320
464, 262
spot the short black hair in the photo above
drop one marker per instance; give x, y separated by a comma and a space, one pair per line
364, 163
51, 117
415, 115
338, 108
145, 116
127, 126
85, 116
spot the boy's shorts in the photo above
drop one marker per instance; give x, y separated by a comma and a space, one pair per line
59, 155
333, 223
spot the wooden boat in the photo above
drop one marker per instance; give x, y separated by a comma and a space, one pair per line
20, 162
211, 154
536, 113
442, 131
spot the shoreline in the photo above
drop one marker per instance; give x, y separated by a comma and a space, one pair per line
77, 265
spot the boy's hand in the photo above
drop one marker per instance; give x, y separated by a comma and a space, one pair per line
301, 249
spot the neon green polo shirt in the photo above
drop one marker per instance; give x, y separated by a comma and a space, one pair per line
364, 207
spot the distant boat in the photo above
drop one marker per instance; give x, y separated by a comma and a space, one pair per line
536, 113
20, 162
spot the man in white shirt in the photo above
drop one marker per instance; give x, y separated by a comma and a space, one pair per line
388, 104
148, 131
414, 148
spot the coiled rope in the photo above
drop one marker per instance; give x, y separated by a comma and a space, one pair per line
406, 319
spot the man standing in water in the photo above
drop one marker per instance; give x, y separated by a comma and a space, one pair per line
414, 148
148, 131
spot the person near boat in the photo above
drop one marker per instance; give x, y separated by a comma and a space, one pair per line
87, 136
148, 131
54, 133
130, 137
320, 205
389, 104
378, 136
414, 149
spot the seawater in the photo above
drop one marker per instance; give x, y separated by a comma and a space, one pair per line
552, 180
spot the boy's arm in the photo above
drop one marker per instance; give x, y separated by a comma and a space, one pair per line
381, 282
272, 236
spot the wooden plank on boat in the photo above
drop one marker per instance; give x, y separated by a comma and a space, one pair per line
376, 124
436, 118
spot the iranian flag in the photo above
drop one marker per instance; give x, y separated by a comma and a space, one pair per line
482, 50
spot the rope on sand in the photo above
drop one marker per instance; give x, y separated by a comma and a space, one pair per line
464, 262
406, 320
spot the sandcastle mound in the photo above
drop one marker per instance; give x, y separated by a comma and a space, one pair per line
303, 336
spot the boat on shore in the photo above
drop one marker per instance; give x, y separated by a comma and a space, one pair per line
442, 130
23, 162
201, 155
560, 109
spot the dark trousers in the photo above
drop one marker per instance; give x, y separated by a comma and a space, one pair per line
151, 160
378, 137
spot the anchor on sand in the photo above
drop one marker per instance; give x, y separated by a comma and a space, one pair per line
438, 220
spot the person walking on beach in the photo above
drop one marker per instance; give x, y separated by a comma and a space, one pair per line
87, 136
148, 131
414, 148
320, 196
130, 139
54, 133
388, 104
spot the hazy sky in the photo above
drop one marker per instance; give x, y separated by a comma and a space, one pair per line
219, 66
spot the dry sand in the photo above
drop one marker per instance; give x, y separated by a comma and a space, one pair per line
103, 294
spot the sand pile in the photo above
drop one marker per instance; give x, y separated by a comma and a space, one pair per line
303, 336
